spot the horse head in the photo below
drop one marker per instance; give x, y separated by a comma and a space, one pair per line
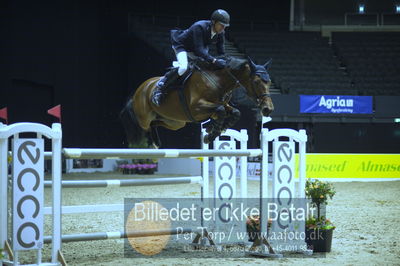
259, 85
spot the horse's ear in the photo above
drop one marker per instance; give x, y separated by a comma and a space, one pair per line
266, 65
251, 63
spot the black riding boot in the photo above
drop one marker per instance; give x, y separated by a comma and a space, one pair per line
162, 86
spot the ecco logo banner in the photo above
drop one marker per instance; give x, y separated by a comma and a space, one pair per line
336, 104
28, 171
225, 183
283, 173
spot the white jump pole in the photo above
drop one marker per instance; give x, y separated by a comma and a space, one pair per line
302, 164
3, 189
57, 195
119, 235
264, 183
128, 182
76, 153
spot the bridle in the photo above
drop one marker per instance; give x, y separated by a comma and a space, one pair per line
240, 85
237, 83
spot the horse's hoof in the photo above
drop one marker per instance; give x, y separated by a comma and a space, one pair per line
209, 127
210, 138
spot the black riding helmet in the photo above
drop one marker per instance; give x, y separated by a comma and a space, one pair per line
221, 16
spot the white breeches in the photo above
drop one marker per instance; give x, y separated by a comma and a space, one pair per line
182, 63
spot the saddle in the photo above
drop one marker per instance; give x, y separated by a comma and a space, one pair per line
195, 63
180, 82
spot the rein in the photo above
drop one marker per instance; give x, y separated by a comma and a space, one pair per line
227, 95
210, 79
259, 97
238, 84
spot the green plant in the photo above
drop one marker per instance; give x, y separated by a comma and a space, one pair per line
319, 192
321, 223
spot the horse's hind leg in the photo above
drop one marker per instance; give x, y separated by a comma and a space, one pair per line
154, 137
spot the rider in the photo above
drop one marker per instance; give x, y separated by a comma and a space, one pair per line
195, 39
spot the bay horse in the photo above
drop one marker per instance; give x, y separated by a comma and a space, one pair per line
206, 91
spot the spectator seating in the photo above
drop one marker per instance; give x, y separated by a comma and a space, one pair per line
372, 60
356, 63
303, 62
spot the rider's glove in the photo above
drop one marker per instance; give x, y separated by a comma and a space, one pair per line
220, 63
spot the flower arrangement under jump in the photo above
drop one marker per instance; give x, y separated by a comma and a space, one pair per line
319, 192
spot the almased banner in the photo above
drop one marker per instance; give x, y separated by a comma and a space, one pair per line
334, 165
328, 165
336, 104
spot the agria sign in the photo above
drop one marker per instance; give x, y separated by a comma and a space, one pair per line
335, 104
28, 171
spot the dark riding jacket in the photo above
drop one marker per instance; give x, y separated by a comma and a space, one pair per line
196, 39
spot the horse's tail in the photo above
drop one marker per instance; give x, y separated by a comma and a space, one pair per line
134, 133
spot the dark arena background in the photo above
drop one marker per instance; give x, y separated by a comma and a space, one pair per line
89, 56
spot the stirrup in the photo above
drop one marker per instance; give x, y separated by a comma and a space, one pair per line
160, 83
157, 97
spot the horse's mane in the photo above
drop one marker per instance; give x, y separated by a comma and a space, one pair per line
236, 63
232, 63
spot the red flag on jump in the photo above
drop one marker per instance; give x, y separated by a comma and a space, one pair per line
55, 111
4, 114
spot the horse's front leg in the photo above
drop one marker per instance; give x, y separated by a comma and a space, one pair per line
221, 118
219, 115
209, 126
214, 128
231, 119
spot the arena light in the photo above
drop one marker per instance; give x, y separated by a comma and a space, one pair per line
361, 8
397, 120
397, 8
